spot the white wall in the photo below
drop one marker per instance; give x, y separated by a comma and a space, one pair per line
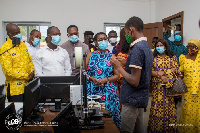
86, 14
165, 8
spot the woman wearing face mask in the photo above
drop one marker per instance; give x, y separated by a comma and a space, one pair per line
101, 77
162, 111
190, 67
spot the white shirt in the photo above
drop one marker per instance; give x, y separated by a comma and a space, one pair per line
110, 47
50, 62
32, 50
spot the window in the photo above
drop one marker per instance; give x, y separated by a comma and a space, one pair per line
26, 28
113, 26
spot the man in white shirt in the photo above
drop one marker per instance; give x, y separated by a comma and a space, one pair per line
52, 60
33, 43
112, 38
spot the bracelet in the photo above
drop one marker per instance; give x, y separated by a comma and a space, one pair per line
88, 77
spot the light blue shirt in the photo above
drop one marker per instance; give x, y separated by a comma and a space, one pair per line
32, 50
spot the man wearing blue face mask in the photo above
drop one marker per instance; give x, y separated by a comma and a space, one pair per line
176, 46
52, 60
16, 64
33, 43
73, 34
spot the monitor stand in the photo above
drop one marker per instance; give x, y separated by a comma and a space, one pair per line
58, 107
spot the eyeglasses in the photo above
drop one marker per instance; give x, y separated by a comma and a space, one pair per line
191, 47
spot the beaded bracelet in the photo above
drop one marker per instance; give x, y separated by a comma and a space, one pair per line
88, 77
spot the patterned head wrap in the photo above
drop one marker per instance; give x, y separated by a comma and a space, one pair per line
195, 42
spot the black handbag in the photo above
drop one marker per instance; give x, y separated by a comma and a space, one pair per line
178, 88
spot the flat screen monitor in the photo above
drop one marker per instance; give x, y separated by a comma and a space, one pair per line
31, 97
2, 102
9, 110
63, 112
66, 121
2, 88
55, 87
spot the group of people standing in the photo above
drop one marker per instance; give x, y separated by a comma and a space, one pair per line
120, 74
173, 58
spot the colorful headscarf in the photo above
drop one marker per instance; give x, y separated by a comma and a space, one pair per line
195, 42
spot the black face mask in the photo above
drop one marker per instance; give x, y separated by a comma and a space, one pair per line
15, 41
90, 40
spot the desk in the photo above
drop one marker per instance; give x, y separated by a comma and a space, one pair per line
109, 126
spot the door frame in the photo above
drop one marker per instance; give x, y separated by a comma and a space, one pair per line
167, 21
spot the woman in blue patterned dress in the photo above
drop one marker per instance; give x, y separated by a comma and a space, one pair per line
101, 77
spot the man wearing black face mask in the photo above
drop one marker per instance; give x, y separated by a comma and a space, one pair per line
88, 39
16, 64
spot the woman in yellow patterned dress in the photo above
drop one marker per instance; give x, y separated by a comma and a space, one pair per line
162, 116
190, 66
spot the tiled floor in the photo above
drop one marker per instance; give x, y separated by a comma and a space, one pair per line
146, 114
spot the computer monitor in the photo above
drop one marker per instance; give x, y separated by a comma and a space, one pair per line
9, 110
2, 88
65, 121
57, 87
2, 102
31, 99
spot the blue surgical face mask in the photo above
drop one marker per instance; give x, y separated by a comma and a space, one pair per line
160, 50
177, 38
103, 45
74, 38
18, 36
36, 42
56, 39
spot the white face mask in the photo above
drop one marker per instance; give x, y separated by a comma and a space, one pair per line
113, 40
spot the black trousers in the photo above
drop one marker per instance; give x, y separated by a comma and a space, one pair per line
16, 98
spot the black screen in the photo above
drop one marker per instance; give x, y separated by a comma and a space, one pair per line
31, 97
57, 86
10, 109
2, 102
